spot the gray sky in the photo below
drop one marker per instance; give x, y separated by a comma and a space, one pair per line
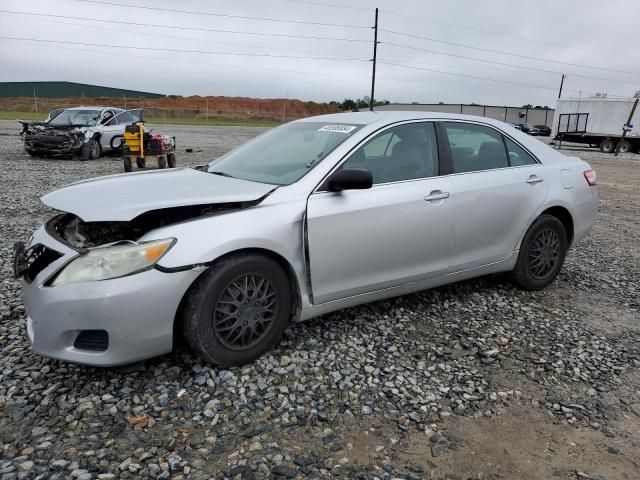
554, 30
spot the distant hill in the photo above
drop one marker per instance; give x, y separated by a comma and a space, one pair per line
67, 89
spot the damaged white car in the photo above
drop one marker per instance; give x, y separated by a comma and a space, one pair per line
82, 133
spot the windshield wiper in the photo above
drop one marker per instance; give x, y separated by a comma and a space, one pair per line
222, 174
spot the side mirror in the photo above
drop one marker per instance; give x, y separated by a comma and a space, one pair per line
350, 179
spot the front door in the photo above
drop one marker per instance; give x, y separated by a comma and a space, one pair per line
397, 232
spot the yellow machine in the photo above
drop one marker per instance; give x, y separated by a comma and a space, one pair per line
139, 145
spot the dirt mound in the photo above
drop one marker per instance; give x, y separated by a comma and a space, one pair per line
174, 106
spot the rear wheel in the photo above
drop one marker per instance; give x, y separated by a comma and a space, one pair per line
162, 162
607, 146
126, 163
171, 160
542, 253
140, 162
624, 146
238, 310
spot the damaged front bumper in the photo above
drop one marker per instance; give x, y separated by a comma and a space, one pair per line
101, 323
41, 139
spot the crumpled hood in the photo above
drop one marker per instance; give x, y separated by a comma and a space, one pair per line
125, 196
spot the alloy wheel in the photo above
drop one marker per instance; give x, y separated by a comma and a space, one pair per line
95, 149
544, 253
244, 311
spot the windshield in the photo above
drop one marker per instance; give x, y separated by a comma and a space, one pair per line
84, 118
285, 154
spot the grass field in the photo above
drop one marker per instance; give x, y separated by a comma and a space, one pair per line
159, 121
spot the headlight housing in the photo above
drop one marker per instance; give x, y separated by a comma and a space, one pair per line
115, 261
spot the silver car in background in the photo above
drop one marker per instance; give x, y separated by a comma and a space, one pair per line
316, 215
83, 133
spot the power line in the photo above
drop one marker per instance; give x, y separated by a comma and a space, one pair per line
137, 32
178, 27
494, 62
211, 52
507, 53
414, 67
488, 32
224, 15
196, 62
302, 72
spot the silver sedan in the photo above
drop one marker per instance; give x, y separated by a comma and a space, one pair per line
313, 216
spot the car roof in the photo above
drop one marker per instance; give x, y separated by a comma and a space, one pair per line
387, 116
94, 108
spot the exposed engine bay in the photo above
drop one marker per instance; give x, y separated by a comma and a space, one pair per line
80, 235
43, 139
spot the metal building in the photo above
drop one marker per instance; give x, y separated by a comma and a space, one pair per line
67, 89
535, 116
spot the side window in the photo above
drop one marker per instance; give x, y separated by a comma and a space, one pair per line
381, 145
517, 155
406, 152
475, 148
124, 118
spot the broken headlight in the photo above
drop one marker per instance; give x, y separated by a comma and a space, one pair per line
112, 262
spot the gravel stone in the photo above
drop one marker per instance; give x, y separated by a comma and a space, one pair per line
404, 365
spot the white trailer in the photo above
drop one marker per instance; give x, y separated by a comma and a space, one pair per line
598, 122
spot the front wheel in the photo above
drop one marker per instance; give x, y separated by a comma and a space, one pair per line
542, 253
607, 146
238, 310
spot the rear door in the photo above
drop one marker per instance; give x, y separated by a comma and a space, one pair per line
497, 186
397, 232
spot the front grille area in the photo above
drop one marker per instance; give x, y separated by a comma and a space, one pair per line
38, 258
93, 340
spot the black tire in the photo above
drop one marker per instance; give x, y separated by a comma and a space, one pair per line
171, 160
126, 162
162, 162
230, 322
32, 153
542, 253
624, 146
140, 162
607, 146
90, 150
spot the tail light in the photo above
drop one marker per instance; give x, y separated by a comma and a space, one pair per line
591, 177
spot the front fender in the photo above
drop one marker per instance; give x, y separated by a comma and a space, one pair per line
276, 228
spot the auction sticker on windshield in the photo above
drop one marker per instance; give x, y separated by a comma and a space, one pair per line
337, 128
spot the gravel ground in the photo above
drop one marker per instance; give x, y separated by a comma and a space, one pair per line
473, 380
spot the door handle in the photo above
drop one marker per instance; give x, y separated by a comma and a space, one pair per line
534, 179
436, 195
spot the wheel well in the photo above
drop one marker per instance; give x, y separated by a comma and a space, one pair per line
279, 259
565, 217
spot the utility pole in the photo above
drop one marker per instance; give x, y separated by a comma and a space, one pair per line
375, 52
627, 126
561, 83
